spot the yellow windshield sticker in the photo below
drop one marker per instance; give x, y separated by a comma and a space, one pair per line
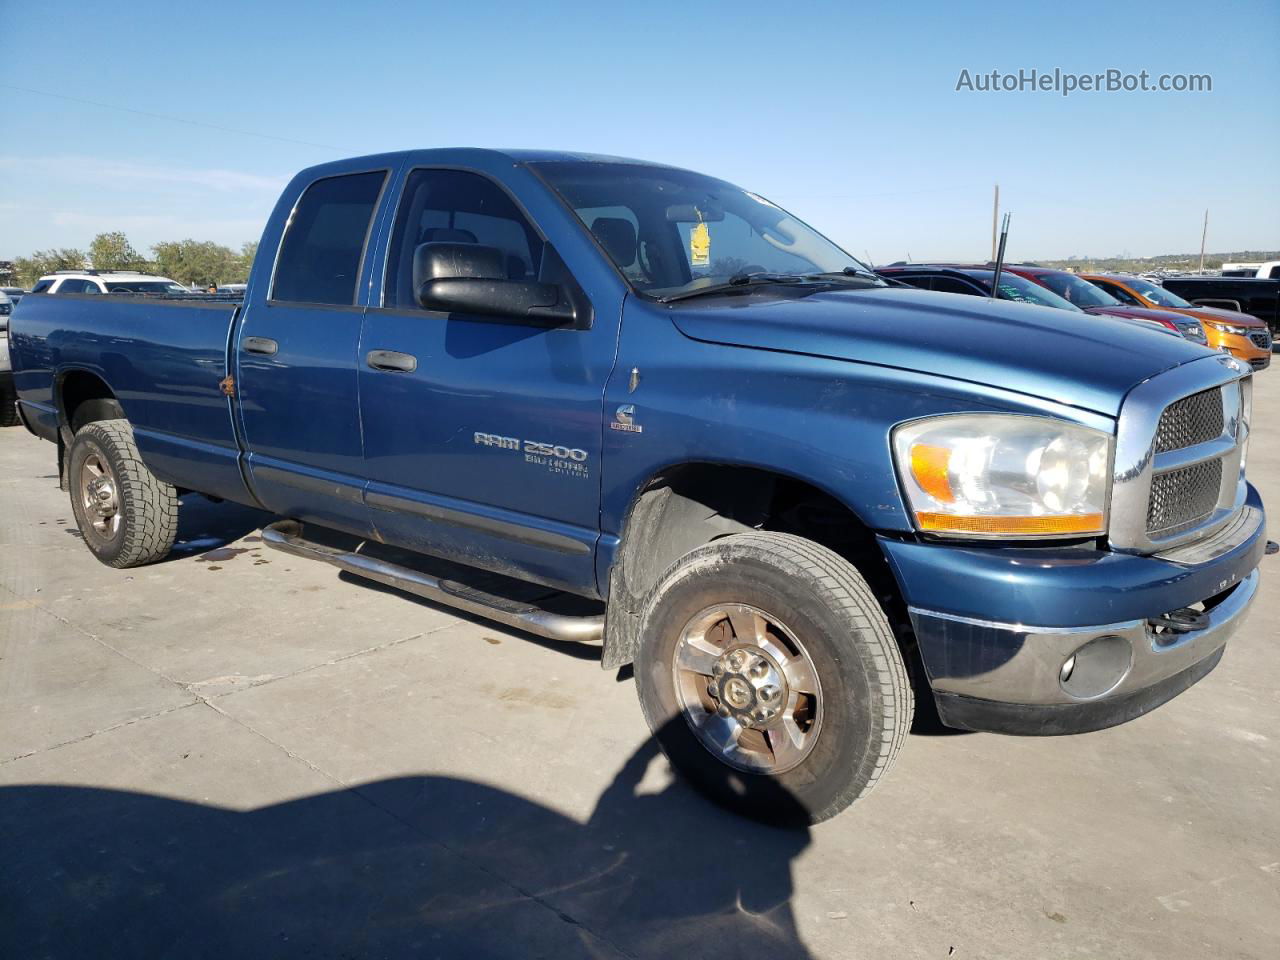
700, 245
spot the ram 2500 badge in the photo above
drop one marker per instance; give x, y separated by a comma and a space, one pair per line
794, 496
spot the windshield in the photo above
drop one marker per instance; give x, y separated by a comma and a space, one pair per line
145, 286
1155, 293
670, 232
1077, 290
1021, 290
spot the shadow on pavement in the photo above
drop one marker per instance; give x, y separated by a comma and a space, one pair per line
204, 525
423, 866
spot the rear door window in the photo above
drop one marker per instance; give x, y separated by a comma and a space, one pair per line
72, 285
324, 243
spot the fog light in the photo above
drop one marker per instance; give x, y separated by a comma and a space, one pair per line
1096, 668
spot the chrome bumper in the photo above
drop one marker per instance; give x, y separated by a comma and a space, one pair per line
1033, 672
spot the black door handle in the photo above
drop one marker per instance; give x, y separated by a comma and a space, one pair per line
391, 361
260, 345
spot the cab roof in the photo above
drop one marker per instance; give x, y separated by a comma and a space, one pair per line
471, 155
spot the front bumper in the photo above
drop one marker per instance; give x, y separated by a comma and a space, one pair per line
1056, 719
1257, 355
998, 629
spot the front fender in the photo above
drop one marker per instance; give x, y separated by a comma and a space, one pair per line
821, 420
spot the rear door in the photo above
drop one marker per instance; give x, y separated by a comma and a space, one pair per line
483, 444
296, 354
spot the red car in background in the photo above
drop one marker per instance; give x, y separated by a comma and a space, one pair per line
1093, 299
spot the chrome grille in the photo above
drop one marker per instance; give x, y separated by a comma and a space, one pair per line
1261, 338
1178, 473
1181, 499
1189, 421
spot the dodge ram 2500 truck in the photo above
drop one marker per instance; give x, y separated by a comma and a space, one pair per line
617, 402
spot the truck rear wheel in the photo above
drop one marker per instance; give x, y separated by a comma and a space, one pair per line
127, 516
770, 677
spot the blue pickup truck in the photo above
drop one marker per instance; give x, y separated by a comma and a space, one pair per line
616, 402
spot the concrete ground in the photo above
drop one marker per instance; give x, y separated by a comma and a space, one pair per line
237, 753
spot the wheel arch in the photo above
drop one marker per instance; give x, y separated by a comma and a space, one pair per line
81, 396
686, 505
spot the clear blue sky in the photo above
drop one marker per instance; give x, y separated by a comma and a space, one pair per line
845, 114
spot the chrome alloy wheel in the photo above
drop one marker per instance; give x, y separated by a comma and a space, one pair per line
99, 497
747, 688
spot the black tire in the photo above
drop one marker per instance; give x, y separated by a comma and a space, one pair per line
9, 408
144, 523
866, 697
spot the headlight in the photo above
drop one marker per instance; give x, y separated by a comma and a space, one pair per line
1004, 475
1233, 330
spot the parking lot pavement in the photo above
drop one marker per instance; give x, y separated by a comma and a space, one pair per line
238, 753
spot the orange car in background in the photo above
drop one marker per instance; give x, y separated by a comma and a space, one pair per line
1238, 334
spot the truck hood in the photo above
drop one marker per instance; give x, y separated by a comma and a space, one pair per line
1233, 317
1136, 313
1071, 358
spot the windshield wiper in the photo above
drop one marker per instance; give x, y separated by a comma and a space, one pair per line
738, 280
856, 272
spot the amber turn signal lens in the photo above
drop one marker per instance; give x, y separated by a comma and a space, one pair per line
930, 465
1084, 523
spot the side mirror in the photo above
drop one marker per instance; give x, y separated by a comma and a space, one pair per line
472, 279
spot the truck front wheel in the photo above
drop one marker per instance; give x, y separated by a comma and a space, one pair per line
8, 405
127, 516
770, 677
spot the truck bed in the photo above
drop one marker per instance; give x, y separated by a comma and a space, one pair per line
164, 356
1259, 298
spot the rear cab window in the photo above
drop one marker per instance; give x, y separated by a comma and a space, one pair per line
324, 243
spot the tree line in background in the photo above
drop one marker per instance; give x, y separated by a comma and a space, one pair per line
196, 262
1165, 263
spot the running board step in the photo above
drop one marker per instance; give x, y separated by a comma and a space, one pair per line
287, 535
